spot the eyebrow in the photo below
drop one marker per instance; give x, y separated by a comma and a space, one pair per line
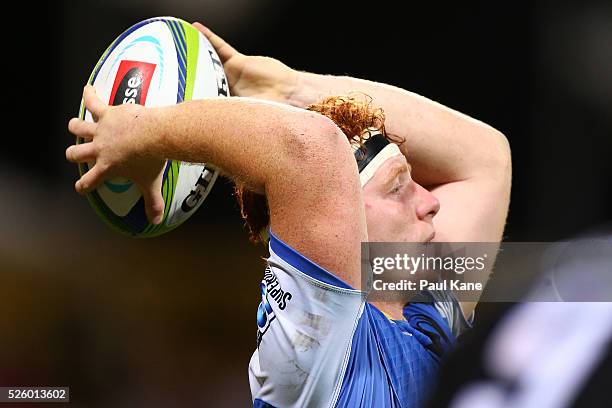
396, 169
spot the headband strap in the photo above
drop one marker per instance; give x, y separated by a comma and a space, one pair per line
377, 149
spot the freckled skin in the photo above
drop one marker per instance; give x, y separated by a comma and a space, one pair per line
404, 215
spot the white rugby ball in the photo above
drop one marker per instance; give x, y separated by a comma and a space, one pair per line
157, 62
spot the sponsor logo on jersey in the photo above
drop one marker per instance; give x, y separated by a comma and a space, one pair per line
270, 291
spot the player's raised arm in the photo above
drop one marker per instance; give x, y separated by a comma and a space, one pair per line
299, 159
465, 163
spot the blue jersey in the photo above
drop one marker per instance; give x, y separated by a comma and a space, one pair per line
320, 344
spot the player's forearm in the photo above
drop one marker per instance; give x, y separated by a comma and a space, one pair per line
254, 141
443, 145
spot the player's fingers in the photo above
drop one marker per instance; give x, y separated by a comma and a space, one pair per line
82, 129
84, 152
93, 103
90, 180
224, 50
154, 202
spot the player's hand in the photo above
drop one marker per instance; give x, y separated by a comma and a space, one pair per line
115, 146
252, 76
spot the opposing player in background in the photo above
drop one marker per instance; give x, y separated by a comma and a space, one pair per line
417, 171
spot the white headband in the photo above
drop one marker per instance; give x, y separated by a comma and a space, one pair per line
387, 152
377, 150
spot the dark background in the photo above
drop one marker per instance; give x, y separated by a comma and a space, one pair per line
171, 320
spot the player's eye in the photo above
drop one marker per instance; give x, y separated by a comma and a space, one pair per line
397, 188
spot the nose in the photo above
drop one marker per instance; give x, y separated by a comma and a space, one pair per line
427, 205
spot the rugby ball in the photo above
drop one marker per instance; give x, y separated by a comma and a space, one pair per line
157, 62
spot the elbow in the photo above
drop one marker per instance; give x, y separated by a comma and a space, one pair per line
314, 140
503, 153
317, 155
500, 157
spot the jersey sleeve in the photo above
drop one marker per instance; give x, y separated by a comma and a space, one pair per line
306, 320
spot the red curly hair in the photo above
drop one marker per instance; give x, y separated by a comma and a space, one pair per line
354, 115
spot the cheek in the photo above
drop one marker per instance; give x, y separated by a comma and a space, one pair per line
385, 220
389, 220
375, 220
397, 210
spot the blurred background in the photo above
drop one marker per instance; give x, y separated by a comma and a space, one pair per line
169, 321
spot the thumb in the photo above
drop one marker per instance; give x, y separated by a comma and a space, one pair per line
153, 200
